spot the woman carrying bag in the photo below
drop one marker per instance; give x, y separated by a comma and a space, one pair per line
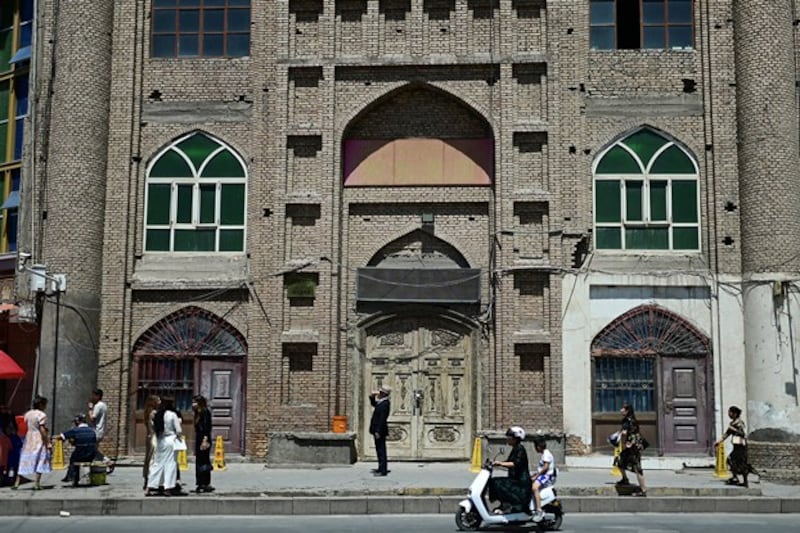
164, 467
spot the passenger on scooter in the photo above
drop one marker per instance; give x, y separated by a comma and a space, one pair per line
514, 491
544, 475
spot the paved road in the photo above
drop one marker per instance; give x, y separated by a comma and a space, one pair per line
616, 523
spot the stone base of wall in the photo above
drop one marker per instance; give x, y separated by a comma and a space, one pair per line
775, 461
312, 448
576, 446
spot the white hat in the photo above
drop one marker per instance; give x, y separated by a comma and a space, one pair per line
386, 390
516, 431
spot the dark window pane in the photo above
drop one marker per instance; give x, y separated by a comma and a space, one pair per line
646, 238
238, 2
198, 147
6, 49
189, 21
685, 239
171, 165
158, 195
3, 140
26, 10
188, 45
165, 21
609, 239
653, 11
618, 161
163, 46
673, 160
602, 37
5, 94
200, 240
680, 11
238, 45
11, 229
633, 200
165, 3
644, 144
15, 179
607, 201
224, 165
189, 3
183, 213
232, 205
231, 240
213, 3
680, 37
684, 201
19, 132
21, 94
653, 37
25, 34
157, 240
658, 200
601, 12
239, 20
214, 20
214, 45
208, 203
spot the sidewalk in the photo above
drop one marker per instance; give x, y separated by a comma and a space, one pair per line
255, 488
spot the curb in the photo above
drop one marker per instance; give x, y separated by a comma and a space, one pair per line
359, 505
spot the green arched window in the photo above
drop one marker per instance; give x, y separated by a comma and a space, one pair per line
196, 198
646, 195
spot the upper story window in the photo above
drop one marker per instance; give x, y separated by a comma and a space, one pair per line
646, 195
16, 32
201, 28
636, 24
196, 198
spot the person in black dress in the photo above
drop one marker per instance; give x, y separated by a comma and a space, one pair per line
630, 458
202, 444
513, 492
737, 461
379, 426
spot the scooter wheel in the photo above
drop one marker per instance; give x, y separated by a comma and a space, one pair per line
467, 520
555, 525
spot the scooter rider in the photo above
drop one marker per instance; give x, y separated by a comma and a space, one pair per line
544, 475
514, 490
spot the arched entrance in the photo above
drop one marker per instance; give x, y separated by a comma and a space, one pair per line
660, 363
192, 351
427, 363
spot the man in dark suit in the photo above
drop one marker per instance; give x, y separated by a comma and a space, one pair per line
379, 426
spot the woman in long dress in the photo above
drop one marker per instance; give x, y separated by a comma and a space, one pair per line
164, 467
35, 457
150, 407
202, 444
630, 458
737, 462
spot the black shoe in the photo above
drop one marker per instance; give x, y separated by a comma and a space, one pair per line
374, 470
67, 480
380, 474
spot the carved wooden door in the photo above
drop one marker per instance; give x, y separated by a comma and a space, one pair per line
684, 409
221, 384
426, 363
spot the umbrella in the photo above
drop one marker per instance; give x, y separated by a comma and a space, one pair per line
9, 369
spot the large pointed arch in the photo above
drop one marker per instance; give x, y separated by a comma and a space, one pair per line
418, 135
420, 249
650, 330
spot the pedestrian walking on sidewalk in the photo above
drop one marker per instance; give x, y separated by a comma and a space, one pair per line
737, 462
379, 426
150, 407
164, 467
202, 444
36, 451
630, 459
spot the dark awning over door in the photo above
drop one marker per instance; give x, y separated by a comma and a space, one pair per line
428, 285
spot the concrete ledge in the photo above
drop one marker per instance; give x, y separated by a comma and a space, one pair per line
312, 448
380, 505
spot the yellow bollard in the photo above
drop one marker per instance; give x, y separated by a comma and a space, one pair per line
57, 462
721, 466
615, 471
219, 454
183, 458
475, 465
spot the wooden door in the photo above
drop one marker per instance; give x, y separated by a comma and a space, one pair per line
426, 363
684, 408
221, 383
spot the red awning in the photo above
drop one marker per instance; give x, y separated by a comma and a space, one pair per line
9, 369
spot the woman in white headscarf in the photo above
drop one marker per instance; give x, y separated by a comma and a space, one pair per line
164, 467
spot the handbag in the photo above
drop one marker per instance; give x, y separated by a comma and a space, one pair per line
644, 444
179, 445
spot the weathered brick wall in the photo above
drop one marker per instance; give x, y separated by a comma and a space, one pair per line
776, 461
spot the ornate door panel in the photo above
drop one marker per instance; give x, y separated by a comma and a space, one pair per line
684, 407
427, 368
221, 384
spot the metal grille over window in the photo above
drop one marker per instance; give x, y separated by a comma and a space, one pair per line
196, 191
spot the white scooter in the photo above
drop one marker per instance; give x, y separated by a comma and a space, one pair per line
473, 513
